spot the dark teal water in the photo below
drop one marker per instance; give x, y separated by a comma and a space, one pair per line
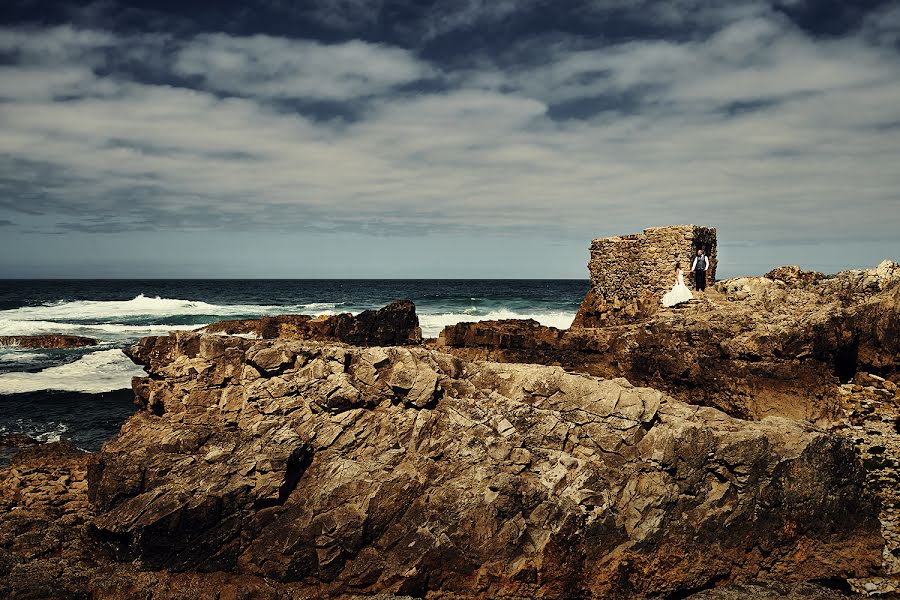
77, 394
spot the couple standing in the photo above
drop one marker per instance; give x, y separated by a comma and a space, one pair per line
679, 292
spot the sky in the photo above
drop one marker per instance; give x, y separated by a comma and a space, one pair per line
450, 138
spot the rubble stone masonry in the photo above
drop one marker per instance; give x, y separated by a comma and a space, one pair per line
630, 273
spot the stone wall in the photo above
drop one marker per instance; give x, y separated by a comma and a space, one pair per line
630, 273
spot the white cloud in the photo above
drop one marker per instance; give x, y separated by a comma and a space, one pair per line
817, 158
54, 44
276, 67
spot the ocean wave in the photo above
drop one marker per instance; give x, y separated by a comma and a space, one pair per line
433, 324
94, 373
25, 327
146, 307
17, 356
54, 435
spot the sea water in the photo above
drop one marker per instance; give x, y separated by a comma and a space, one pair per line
84, 394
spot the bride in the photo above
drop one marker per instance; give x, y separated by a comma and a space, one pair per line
679, 292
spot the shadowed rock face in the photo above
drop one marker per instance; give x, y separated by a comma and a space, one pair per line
47, 341
394, 325
751, 346
407, 470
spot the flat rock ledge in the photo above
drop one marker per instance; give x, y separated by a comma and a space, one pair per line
351, 470
393, 325
47, 341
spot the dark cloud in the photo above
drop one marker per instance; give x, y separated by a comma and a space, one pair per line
392, 117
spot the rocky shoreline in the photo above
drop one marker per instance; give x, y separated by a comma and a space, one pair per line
745, 445
47, 341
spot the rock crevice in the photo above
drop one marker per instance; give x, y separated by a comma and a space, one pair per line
406, 470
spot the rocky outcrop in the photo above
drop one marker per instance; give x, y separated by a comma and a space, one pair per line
508, 334
17, 440
351, 470
47, 341
394, 325
751, 346
794, 275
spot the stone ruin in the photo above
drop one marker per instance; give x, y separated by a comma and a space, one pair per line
630, 273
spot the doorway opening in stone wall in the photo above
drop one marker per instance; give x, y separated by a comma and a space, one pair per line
709, 248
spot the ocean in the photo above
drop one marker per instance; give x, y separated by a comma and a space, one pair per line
84, 394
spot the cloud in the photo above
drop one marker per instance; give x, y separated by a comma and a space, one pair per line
281, 68
754, 126
54, 44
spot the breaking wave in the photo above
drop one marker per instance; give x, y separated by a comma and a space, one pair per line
93, 373
432, 324
143, 307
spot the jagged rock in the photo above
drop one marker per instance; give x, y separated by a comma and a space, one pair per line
794, 275
507, 333
393, 325
47, 341
754, 346
17, 440
405, 470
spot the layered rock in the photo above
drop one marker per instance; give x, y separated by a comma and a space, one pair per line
393, 325
751, 346
507, 334
47, 341
406, 470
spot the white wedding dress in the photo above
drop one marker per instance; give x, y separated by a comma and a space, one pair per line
679, 292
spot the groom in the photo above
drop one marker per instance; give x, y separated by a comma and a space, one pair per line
698, 268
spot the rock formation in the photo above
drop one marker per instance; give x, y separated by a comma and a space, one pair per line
407, 470
47, 341
337, 457
394, 325
751, 346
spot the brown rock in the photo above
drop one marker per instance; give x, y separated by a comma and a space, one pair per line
47, 341
393, 325
753, 347
507, 334
404, 470
794, 275
17, 439
770, 590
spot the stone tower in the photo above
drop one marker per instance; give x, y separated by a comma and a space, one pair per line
630, 273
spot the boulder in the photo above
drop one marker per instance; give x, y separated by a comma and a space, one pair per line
393, 325
524, 334
47, 341
794, 275
405, 470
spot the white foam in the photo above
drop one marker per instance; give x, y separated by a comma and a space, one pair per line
144, 306
249, 336
93, 373
432, 324
18, 356
54, 435
24, 327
